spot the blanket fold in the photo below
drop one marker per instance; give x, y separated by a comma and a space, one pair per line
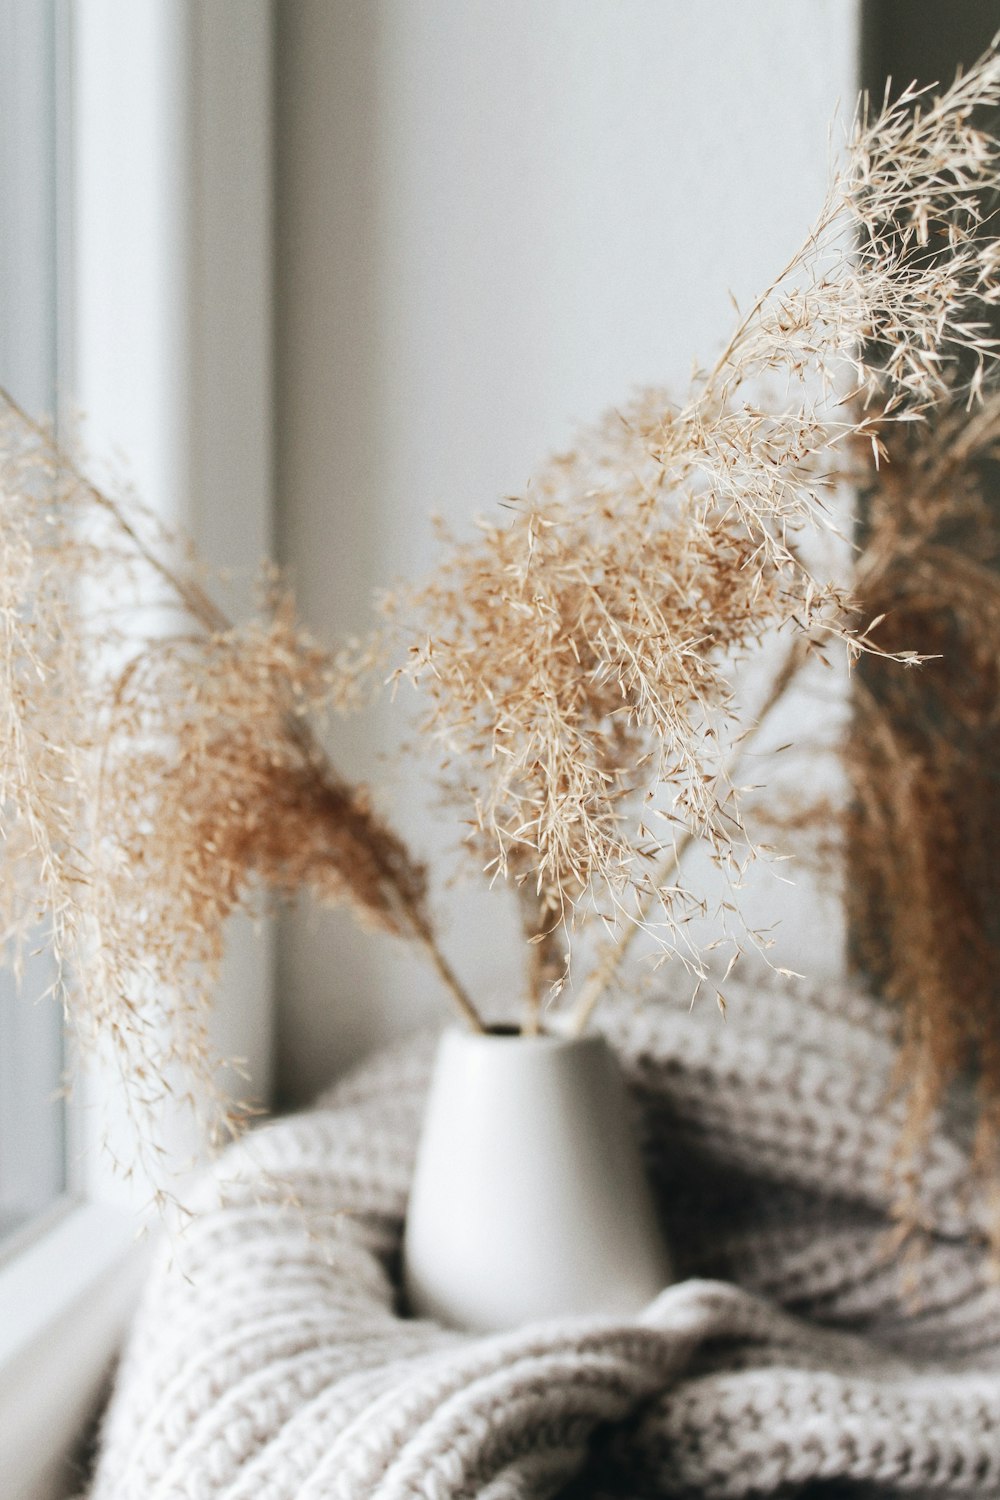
269, 1359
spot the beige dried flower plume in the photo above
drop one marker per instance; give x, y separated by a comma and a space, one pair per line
578, 660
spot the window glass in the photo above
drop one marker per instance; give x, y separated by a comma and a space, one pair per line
32, 1116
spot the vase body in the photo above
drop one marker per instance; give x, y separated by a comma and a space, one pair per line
529, 1198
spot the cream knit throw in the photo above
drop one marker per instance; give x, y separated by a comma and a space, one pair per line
268, 1361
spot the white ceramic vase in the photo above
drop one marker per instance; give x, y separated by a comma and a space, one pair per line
529, 1199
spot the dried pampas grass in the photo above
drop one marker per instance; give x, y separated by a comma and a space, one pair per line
578, 661
924, 883
157, 773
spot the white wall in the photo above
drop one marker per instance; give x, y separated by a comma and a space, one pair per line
493, 220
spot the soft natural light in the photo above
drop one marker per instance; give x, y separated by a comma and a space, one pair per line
475, 479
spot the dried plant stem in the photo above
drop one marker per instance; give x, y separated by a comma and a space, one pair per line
194, 598
546, 955
424, 937
727, 359
536, 987
614, 953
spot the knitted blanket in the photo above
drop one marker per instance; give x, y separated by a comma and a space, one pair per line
269, 1360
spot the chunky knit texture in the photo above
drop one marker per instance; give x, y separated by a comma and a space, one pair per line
269, 1360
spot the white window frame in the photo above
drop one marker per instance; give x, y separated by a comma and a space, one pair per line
32, 1125
165, 335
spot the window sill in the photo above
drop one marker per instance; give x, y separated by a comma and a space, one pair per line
65, 1296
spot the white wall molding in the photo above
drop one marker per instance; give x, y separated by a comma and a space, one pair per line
171, 309
166, 342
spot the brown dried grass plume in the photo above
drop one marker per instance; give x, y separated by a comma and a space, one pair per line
924, 884
158, 772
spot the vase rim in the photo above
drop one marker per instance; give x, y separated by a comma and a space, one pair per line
495, 1036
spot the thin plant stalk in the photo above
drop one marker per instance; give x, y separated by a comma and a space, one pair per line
424, 937
615, 952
